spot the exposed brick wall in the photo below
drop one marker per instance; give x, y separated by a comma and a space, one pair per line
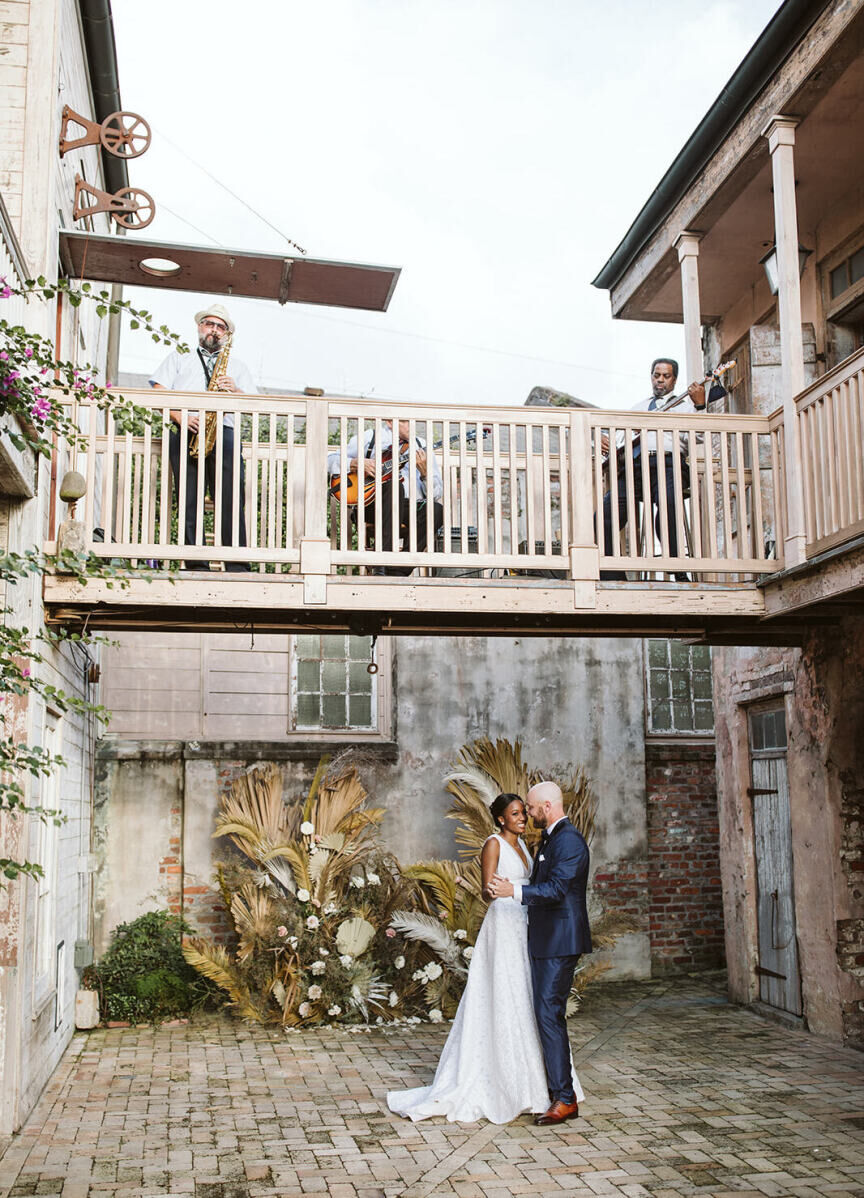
685, 899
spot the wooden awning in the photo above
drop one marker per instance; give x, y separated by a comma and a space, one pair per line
145, 263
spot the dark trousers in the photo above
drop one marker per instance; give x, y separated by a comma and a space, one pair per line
190, 517
551, 979
671, 523
385, 498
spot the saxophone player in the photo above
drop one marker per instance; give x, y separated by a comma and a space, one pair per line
208, 369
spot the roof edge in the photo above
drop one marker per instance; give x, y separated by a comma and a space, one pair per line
773, 46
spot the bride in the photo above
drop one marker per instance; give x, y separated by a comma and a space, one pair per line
492, 1064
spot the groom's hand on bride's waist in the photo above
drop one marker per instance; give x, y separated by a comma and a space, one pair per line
500, 887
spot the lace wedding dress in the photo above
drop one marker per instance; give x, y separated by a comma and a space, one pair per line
492, 1064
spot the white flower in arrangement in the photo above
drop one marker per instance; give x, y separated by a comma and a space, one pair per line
303, 1010
346, 960
373, 879
358, 881
330, 909
413, 1019
323, 952
433, 971
312, 922
317, 967
419, 975
293, 941
307, 829
393, 999
435, 1015
459, 934
468, 953
399, 963
303, 895
314, 992
334, 1010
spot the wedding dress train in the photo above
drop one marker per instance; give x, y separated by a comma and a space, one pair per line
492, 1064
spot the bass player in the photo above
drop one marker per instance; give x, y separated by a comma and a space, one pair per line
664, 376
380, 492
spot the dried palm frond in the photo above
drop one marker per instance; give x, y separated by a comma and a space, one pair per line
252, 911
439, 879
354, 936
254, 816
339, 806
611, 924
414, 925
213, 961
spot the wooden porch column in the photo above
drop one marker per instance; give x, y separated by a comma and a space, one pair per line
687, 245
780, 132
315, 554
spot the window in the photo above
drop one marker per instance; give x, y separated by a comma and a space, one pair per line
679, 689
332, 688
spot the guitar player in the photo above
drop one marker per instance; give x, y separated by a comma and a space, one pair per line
664, 376
383, 493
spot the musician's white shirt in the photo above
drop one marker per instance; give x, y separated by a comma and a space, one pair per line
184, 372
681, 407
334, 462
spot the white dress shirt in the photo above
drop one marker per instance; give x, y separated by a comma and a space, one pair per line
334, 462
184, 372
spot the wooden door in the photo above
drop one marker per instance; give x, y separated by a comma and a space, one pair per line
778, 971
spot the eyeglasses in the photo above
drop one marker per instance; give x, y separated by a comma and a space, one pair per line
216, 325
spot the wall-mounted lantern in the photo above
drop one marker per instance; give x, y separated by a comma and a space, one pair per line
770, 263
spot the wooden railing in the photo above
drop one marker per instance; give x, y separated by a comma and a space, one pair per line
522, 491
831, 427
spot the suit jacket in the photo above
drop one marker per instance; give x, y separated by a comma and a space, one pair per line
555, 896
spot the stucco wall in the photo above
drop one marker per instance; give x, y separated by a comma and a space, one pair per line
568, 701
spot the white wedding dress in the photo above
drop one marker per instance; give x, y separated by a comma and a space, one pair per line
492, 1064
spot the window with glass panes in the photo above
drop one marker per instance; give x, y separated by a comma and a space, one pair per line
332, 687
679, 688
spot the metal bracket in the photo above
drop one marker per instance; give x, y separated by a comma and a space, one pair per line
130, 206
123, 134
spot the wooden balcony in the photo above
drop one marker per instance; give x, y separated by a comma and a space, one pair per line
522, 492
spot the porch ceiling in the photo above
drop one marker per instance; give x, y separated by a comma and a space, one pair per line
736, 218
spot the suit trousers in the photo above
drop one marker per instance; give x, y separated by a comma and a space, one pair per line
551, 979
190, 516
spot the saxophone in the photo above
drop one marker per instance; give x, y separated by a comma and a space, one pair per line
211, 420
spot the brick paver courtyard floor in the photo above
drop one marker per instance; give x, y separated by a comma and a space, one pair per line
684, 1095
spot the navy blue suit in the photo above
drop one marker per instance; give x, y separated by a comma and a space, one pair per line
558, 934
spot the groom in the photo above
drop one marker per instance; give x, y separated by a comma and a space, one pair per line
558, 934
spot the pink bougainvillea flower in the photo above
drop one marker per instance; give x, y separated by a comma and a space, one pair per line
26, 672
41, 409
28, 352
4, 355
5, 289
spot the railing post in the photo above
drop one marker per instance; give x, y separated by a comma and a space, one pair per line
780, 132
584, 556
315, 551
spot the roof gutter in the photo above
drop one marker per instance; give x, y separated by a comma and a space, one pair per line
98, 26
779, 38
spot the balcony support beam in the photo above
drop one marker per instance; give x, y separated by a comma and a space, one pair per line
687, 245
315, 552
780, 132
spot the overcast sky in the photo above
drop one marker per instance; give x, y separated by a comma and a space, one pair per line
496, 150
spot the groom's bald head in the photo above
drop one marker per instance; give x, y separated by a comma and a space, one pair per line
545, 803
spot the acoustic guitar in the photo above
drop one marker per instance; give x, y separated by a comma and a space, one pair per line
352, 483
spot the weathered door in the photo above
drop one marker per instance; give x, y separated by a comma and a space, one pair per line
779, 976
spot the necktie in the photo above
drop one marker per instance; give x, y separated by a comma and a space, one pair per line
653, 404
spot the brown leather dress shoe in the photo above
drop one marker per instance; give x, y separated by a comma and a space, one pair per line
558, 1112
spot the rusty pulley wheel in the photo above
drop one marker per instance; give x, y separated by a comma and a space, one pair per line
136, 208
125, 134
